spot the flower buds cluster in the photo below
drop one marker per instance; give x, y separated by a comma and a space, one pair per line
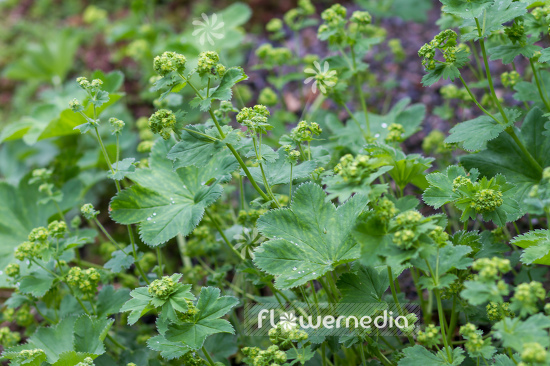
8, 338
497, 312
284, 338
255, 119
84, 280
57, 229
486, 200
510, 79
169, 62
444, 41
116, 125
88, 361
163, 122
527, 295
273, 56
395, 133
491, 268
533, 353
429, 337
162, 287
273, 356
88, 211
474, 339
209, 65
305, 131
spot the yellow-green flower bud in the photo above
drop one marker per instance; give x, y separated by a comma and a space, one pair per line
57, 228
88, 211
162, 122
116, 125
163, 287
169, 62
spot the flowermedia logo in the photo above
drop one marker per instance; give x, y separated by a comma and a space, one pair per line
208, 29
333, 319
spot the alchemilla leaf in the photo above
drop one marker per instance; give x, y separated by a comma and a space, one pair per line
308, 239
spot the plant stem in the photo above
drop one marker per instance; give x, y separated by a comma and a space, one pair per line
452, 322
526, 153
222, 234
536, 75
290, 184
207, 355
396, 300
476, 102
488, 72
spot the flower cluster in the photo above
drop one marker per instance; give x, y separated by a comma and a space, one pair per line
23, 317
8, 338
190, 314
451, 91
497, 312
169, 62
90, 87
268, 97
516, 33
439, 236
396, 49
39, 234
163, 122
385, 209
255, 119
57, 229
84, 280
162, 287
273, 56
249, 218
486, 200
209, 65
293, 18
40, 175
510, 79
12, 270
429, 337
284, 338
271, 357
116, 125
27, 250
526, 297
88, 211
533, 353
474, 339
460, 181
30, 354
395, 133
305, 131
88, 361
491, 268
353, 169
444, 41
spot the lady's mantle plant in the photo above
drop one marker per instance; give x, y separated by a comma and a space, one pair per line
238, 204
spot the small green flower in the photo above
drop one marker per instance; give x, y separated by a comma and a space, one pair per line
385, 209
12, 270
8, 338
439, 236
163, 287
88, 211
487, 200
496, 312
145, 146
40, 175
26, 250
29, 354
84, 280
526, 297
268, 97
75, 105
23, 317
460, 181
274, 25
429, 337
284, 337
88, 361
255, 119
510, 79
533, 352
57, 228
116, 125
404, 239
169, 62
490, 268
163, 122
395, 133
208, 64
39, 234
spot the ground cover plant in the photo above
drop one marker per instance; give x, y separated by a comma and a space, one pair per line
146, 212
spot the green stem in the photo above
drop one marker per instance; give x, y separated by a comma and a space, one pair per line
107, 235
365, 136
536, 75
290, 185
396, 300
476, 102
241, 189
138, 266
452, 322
182, 247
362, 353
488, 72
207, 355
526, 153
222, 234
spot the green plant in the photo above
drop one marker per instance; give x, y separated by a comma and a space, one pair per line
234, 208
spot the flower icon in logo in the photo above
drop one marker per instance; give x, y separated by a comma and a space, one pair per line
288, 321
210, 28
322, 77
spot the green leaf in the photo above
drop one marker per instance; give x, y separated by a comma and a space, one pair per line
503, 156
70, 358
168, 350
211, 307
308, 239
166, 203
514, 333
20, 213
142, 302
446, 70
441, 190
89, 333
528, 91
196, 149
278, 172
122, 169
120, 260
420, 356
109, 300
496, 15
368, 285
477, 293
447, 258
37, 283
222, 92
537, 246
465, 9
508, 52
475, 133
